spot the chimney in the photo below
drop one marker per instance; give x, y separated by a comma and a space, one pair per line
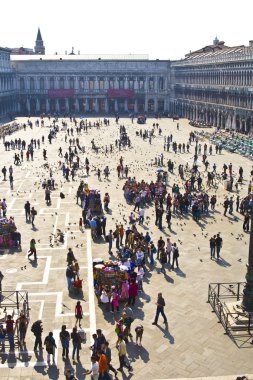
251, 43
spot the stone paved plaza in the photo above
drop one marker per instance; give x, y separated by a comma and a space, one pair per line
194, 345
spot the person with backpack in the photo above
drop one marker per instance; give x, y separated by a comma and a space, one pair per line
2, 337
175, 255
4, 171
49, 342
22, 323
37, 330
33, 213
32, 249
9, 323
27, 208
76, 341
65, 338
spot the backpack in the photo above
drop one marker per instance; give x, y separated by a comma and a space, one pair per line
176, 253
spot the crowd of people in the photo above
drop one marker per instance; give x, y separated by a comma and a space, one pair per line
192, 193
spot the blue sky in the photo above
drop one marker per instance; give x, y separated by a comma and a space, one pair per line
161, 28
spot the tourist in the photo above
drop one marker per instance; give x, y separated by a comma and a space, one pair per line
160, 304
33, 213
175, 255
9, 323
94, 371
108, 354
37, 331
133, 292
121, 346
65, 338
27, 208
212, 246
22, 323
69, 375
102, 366
76, 343
32, 249
2, 337
50, 344
218, 244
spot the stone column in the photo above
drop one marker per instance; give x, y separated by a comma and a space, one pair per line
106, 105
87, 105
106, 83
37, 105
76, 84
77, 104
96, 105
156, 105
126, 83
146, 84
156, 84
28, 105
47, 105
67, 104
96, 83
116, 105
46, 83
125, 106
86, 83
146, 104
57, 106
234, 122
135, 106
136, 87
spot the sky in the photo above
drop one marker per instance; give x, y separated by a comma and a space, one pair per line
162, 29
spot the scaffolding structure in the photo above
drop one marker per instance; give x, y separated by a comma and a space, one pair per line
14, 303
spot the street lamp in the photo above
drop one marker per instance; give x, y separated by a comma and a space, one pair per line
247, 301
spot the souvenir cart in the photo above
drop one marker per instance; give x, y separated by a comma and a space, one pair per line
7, 227
110, 273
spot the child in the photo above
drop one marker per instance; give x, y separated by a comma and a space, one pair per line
139, 332
78, 312
115, 299
80, 224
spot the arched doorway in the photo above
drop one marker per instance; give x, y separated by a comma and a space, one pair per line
151, 105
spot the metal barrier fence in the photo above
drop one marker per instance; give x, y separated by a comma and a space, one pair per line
218, 294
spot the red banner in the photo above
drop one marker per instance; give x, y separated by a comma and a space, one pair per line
61, 93
120, 93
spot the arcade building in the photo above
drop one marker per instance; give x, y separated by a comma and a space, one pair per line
213, 85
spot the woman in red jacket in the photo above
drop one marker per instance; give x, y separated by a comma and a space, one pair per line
133, 292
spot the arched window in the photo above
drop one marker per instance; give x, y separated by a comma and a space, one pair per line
51, 83
61, 83
101, 83
42, 84
81, 83
22, 84
71, 82
31, 83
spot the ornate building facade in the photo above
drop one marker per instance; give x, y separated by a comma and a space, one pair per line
212, 85
7, 84
91, 84
215, 85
